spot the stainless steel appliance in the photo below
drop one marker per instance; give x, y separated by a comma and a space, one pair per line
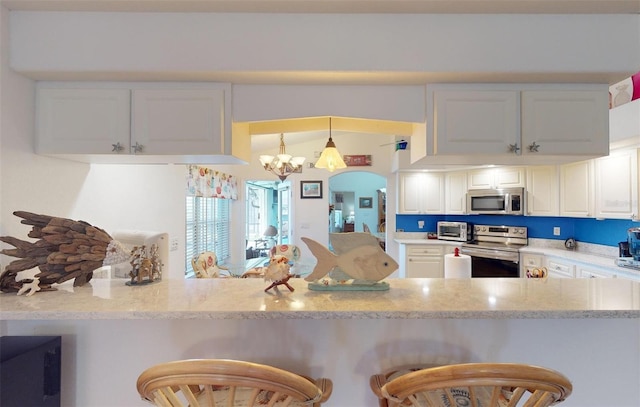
507, 201
630, 250
456, 231
495, 250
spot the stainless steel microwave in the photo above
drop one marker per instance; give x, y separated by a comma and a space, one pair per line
507, 201
457, 231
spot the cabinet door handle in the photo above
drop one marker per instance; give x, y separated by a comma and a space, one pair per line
513, 148
137, 148
533, 147
117, 148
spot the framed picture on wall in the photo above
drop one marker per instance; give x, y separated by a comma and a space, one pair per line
310, 189
366, 202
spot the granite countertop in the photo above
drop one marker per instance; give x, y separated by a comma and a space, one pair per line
232, 298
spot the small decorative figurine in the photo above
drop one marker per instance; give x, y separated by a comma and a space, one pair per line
144, 265
360, 263
278, 272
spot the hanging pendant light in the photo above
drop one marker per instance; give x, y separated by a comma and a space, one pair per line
282, 165
330, 157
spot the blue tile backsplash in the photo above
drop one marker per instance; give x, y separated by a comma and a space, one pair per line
605, 232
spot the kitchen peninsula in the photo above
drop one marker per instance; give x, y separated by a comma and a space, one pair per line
588, 329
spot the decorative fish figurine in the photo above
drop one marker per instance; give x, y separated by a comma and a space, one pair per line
365, 264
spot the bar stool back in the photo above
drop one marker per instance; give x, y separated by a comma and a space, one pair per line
473, 385
229, 383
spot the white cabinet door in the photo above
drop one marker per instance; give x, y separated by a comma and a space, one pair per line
500, 177
560, 269
542, 191
82, 121
565, 122
434, 197
576, 189
410, 193
529, 262
420, 193
475, 121
587, 272
616, 185
456, 193
425, 267
178, 121
509, 177
424, 261
481, 179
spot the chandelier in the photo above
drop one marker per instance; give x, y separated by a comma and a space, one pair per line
282, 165
330, 157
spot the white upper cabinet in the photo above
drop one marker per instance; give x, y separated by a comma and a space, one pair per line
82, 121
515, 124
479, 122
576, 189
135, 122
178, 121
420, 193
616, 185
542, 190
565, 122
502, 177
456, 193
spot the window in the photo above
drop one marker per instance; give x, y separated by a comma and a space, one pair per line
256, 216
208, 227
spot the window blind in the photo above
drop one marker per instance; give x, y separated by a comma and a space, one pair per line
207, 228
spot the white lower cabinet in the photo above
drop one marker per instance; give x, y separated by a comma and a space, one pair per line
559, 268
424, 261
529, 262
588, 272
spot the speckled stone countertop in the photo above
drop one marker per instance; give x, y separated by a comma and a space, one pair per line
406, 299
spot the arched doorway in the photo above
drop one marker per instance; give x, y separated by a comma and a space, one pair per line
359, 201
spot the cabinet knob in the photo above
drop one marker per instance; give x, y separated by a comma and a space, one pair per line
513, 148
117, 148
533, 147
137, 148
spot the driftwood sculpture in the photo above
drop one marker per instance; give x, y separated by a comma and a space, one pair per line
65, 249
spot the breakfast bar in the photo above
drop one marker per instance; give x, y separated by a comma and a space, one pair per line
584, 328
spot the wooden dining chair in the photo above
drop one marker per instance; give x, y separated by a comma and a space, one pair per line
473, 385
229, 383
205, 265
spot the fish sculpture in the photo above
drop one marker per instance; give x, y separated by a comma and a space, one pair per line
365, 264
65, 249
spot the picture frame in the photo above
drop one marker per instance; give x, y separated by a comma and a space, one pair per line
310, 189
366, 202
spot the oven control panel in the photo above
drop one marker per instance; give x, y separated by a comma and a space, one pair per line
500, 231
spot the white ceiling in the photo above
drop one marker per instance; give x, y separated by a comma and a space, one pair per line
338, 6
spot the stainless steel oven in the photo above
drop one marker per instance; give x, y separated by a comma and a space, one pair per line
495, 250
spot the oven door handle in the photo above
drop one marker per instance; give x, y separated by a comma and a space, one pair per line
491, 254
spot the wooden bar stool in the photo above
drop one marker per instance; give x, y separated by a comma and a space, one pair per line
229, 383
473, 385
